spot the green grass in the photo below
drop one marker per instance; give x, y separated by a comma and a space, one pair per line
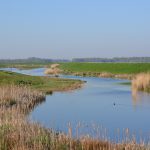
45, 84
114, 68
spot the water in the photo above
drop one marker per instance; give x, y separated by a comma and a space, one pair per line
101, 103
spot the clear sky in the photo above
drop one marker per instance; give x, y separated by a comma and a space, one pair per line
74, 28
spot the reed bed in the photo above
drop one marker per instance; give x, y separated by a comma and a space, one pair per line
18, 133
53, 70
21, 97
141, 82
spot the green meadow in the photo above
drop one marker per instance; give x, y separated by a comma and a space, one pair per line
114, 68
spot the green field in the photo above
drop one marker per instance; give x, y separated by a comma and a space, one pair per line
45, 84
114, 68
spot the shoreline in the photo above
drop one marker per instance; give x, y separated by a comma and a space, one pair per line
18, 133
101, 75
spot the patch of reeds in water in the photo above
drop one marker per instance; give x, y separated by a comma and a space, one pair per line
141, 82
21, 97
16, 133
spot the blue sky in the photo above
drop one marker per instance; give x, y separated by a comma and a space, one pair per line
74, 28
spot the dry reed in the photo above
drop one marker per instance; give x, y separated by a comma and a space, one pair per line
17, 133
22, 97
141, 82
53, 70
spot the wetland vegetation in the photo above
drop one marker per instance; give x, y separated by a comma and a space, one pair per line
21, 93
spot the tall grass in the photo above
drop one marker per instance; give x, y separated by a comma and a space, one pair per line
53, 70
17, 133
20, 97
141, 82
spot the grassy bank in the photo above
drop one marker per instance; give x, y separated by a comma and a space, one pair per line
19, 94
114, 68
139, 73
44, 84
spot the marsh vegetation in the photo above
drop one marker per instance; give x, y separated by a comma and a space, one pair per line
141, 82
21, 93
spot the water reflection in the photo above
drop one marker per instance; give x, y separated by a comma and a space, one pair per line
140, 98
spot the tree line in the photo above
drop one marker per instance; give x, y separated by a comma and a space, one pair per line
35, 60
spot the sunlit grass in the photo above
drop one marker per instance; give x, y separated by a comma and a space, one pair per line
114, 68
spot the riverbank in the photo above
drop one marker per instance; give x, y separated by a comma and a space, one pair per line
101, 75
71, 67
138, 73
108, 70
43, 84
19, 95
130, 71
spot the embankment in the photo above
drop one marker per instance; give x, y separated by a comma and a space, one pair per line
111, 70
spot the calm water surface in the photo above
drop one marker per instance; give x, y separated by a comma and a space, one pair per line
102, 103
